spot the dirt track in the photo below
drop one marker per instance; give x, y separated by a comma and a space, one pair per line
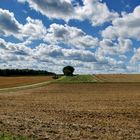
73, 111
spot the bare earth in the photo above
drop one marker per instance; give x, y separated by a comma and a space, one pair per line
102, 111
118, 77
8, 82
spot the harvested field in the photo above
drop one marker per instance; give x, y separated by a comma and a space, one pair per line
8, 82
117, 77
93, 111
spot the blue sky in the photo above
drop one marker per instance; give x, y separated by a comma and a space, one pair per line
93, 36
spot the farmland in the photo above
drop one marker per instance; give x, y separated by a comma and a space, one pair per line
105, 107
9, 82
117, 78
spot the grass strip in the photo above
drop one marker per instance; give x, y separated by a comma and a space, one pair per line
77, 79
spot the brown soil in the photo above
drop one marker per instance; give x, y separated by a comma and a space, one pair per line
118, 77
73, 112
8, 82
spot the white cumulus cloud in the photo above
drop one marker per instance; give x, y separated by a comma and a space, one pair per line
70, 36
93, 10
127, 26
8, 24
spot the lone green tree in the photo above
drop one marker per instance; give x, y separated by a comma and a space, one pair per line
68, 71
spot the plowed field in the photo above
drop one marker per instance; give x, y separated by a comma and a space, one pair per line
84, 111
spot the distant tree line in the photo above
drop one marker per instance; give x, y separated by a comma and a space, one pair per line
23, 72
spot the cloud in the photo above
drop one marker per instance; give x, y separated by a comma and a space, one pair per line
33, 29
96, 12
119, 47
56, 57
2, 44
85, 56
12, 49
83, 60
111, 55
50, 55
44, 51
8, 24
70, 36
127, 29
126, 26
133, 68
21, 1
59, 9
136, 57
93, 10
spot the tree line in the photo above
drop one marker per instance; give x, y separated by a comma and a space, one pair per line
23, 72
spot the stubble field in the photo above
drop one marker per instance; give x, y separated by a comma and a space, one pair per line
79, 111
118, 78
9, 82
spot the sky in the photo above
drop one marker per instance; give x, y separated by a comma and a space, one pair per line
93, 36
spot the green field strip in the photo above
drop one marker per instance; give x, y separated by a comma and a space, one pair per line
77, 79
